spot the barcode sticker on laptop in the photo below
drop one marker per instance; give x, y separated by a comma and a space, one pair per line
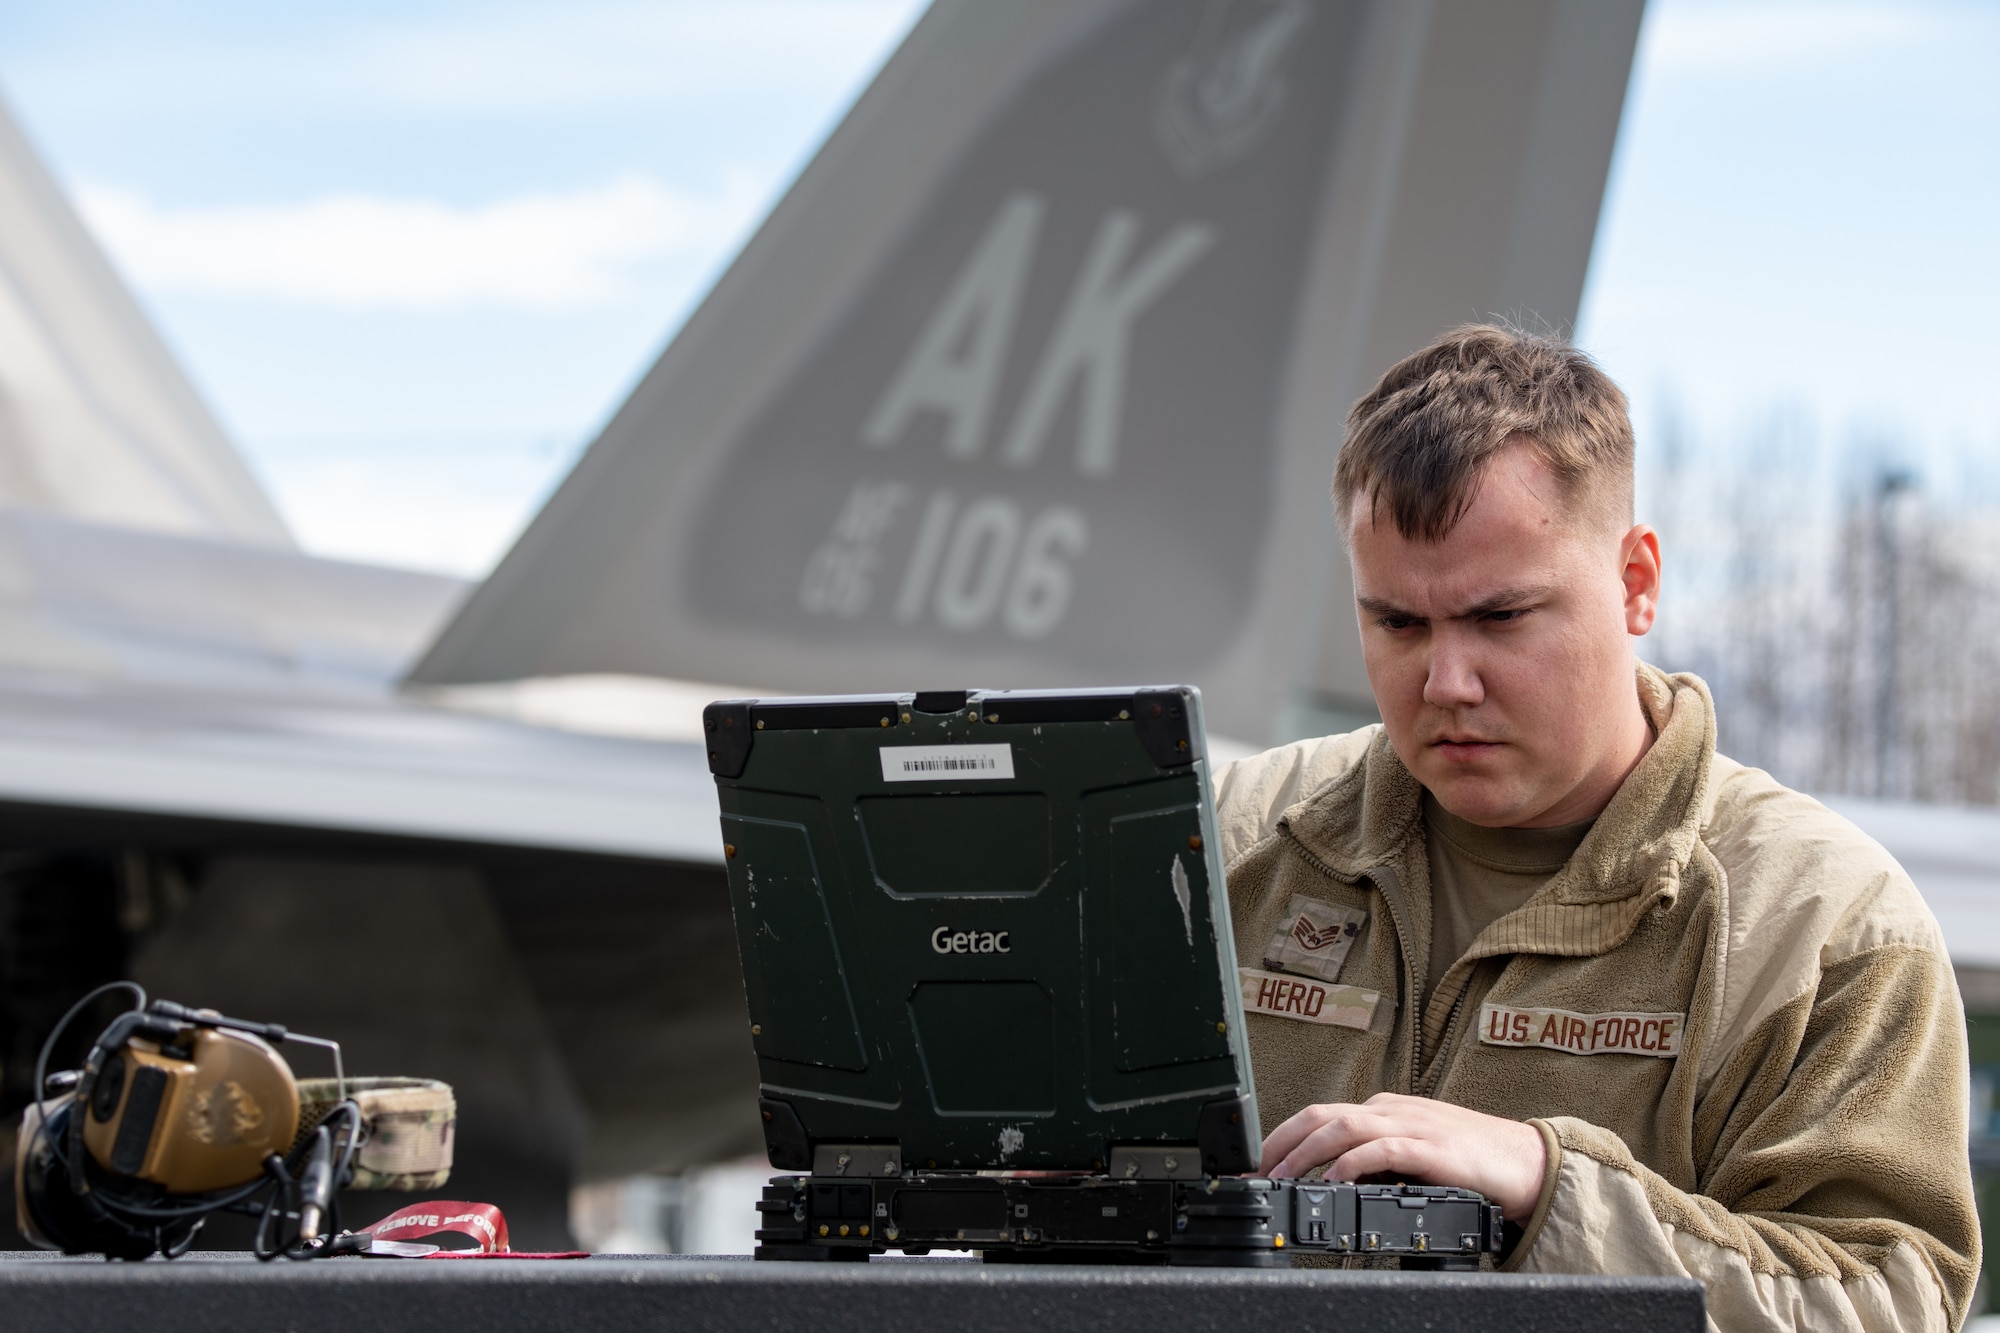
928, 763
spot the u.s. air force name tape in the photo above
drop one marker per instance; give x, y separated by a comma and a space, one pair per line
1582, 1034
1307, 1001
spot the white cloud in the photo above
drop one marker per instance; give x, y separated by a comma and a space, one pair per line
497, 57
362, 251
627, 55
1768, 38
452, 507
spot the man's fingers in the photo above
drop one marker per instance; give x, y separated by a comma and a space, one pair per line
1279, 1143
1412, 1159
1286, 1137
1339, 1128
1284, 1141
1416, 1139
1326, 1145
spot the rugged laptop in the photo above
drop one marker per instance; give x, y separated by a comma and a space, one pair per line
984, 933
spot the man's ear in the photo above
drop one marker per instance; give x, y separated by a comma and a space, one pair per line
1639, 567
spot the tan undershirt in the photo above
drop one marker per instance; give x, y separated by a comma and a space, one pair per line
1478, 875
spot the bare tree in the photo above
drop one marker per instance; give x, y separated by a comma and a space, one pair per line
1850, 633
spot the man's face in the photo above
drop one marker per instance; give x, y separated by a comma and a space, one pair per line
1501, 656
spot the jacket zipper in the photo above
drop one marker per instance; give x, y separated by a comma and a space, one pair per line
1445, 1039
1414, 1021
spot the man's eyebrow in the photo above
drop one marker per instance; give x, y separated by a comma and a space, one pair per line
1375, 606
1507, 599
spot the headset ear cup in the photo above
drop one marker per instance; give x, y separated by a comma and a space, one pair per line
31, 1159
48, 1209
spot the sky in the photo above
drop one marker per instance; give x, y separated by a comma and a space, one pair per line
1801, 227
413, 255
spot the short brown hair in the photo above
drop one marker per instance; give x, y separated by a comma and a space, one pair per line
1420, 440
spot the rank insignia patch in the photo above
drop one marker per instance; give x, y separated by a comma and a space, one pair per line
1313, 937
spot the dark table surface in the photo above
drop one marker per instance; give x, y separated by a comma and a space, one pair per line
210, 1292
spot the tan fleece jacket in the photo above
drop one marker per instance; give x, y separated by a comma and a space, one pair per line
1730, 1015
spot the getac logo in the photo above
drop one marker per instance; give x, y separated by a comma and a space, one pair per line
946, 940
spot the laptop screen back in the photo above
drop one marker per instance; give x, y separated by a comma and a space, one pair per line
987, 928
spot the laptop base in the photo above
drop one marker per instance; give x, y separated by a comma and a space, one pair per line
1210, 1221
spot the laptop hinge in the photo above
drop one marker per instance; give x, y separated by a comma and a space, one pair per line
857, 1159
1155, 1161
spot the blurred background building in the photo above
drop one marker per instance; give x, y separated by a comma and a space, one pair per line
365, 561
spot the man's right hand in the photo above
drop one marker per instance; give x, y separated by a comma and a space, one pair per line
1417, 1139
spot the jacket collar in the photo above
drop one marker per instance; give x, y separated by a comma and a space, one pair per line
1370, 819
